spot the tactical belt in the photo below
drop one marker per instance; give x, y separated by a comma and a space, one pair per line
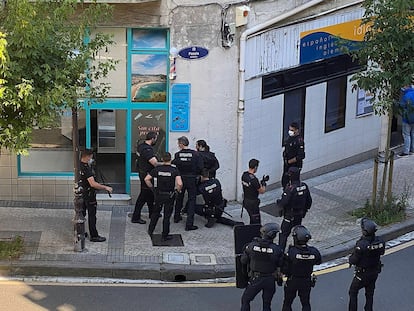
362, 270
163, 192
260, 274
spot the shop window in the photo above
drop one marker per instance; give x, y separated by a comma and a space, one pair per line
144, 121
335, 104
51, 148
294, 110
148, 65
149, 39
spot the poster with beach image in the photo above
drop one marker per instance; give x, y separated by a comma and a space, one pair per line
149, 78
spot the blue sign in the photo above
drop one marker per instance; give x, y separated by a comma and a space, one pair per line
193, 52
180, 107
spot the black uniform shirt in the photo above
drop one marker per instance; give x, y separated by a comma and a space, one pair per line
210, 161
367, 252
262, 256
300, 261
251, 186
86, 171
188, 162
296, 198
145, 153
211, 191
294, 147
164, 177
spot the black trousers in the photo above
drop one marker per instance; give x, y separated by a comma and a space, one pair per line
266, 284
297, 286
189, 185
162, 201
362, 280
145, 196
252, 207
287, 224
90, 207
200, 210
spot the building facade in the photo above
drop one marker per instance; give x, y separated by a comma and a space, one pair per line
233, 74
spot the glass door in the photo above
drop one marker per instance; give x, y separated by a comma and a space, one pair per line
108, 140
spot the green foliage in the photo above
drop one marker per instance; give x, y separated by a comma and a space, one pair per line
11, 249
48, 65
387, 51
392, 211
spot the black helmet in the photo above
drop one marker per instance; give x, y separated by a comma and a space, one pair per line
301, 235
269, 231
368, 227
294, 173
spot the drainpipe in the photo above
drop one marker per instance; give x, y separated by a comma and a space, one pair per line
240, 108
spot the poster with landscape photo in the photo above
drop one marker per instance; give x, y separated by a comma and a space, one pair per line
149, 78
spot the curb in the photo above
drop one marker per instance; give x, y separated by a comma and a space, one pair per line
164, 271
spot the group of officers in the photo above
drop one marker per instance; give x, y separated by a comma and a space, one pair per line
265, 263
163, 186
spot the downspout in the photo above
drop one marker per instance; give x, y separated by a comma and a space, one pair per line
240, 109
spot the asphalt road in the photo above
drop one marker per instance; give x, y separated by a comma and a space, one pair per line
394, 291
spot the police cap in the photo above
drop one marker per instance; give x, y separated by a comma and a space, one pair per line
294, 172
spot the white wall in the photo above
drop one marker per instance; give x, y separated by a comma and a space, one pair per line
263, 130
213, 109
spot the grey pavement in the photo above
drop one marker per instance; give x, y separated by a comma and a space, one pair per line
47, 229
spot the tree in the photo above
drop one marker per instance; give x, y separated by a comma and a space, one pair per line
387, 51
47, 64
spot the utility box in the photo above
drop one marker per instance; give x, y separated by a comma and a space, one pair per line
242, 12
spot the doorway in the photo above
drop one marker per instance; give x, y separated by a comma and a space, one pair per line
108, 140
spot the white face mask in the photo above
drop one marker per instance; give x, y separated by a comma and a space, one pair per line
291, 133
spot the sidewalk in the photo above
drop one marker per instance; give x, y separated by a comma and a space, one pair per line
207, 253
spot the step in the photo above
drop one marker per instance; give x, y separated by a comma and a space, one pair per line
116, 199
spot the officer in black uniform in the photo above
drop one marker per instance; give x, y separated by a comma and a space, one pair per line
295, 202
90, 185
166, 181
210, 161
214, 204
294, 151
366, 259
263, 259
298, 268
190, 164
146, 162
251, 189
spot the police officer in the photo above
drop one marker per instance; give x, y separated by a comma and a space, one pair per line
366, 259
295, 202
146, 162
214, 204
166, 181
210, 161
294, 151
263, 259
90, 185
190, 164
251, 189
298, 268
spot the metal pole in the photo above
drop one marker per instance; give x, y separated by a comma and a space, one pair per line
374, 184
79, 219
389, 191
